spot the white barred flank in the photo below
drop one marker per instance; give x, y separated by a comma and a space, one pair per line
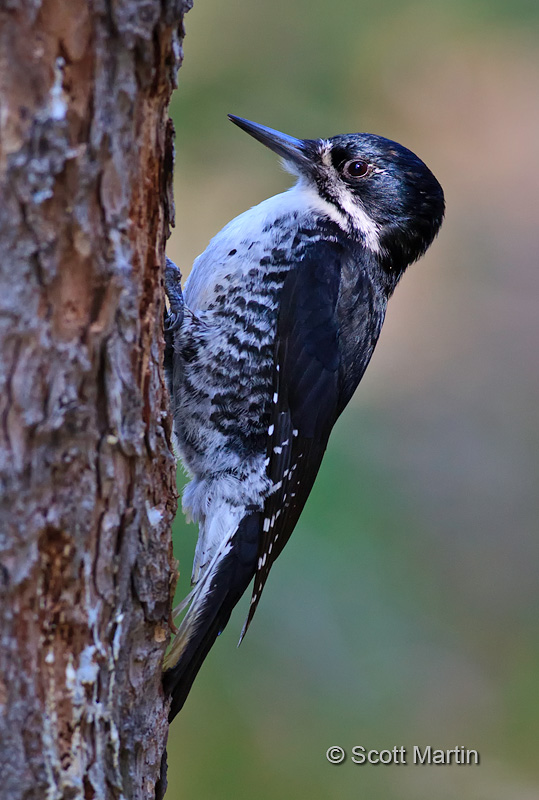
232, 297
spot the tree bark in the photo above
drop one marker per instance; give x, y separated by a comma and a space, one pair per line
87, 479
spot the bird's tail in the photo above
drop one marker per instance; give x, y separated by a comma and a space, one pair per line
210, 604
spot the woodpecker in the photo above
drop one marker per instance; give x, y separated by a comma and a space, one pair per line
277, 323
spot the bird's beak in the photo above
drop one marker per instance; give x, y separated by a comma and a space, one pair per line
291, 149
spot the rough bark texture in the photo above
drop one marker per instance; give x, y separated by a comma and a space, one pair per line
87, 480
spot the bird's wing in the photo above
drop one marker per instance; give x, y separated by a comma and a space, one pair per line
310, 381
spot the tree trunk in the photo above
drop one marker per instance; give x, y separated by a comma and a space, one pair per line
87, 479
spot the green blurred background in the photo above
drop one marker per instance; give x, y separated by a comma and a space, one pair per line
404, 609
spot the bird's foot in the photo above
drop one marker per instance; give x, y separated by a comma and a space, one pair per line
173, 290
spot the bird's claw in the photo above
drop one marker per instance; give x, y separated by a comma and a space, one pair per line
173, 321
173, 290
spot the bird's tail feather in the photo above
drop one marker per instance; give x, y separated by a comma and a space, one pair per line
211, 603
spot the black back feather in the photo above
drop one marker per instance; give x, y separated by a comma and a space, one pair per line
313, 380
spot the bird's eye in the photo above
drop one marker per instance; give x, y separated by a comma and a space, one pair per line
356, 168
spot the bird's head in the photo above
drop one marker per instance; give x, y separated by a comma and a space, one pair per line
385, 194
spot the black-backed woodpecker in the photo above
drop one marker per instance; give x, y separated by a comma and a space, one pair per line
278, 321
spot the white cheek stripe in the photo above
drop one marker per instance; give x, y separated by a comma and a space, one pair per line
361, 220
354, 212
